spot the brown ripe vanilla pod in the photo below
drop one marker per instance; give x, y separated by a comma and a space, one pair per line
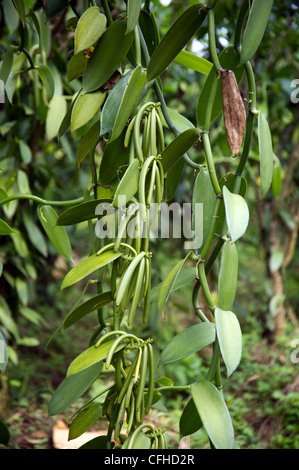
233, 111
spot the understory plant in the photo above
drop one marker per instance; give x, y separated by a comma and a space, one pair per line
117, 63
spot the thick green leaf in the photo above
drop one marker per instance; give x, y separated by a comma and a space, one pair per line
174, 175
228, 275
177, 147
84, 420
214, 414
175, 39
56, 113
88, 266
149, 30
128, 185
229, 59
203, 193
80, 212
129, 101
90, 28
141, 442
188, 341
72, 388
35, 235
86, 307
277, 177
110, 51
190, 421
91, 356
184, 276
192, 61
112, 105
133, 10
114, 157
255, 28
7, 63
5, 229
230, 338
57, 235
236, 212
180, 121
88, 141
76, 66
66, 122
97, 443
47, 79
168, 283
229, 181
266, 154
54, 7
85, 108
3, 353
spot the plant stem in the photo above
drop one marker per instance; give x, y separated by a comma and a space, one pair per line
107, 12
39, 200
137, 46
250, 118
210, 163
212, 40
204, 285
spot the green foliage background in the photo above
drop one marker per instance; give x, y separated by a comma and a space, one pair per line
265, 407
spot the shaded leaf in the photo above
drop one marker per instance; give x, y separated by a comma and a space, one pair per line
190, 421
80, 212
109, 52
177, 147
167, 284
175, 39
57, 235
255, 28
84, 420
86, 307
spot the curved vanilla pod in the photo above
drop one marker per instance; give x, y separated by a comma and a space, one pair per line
153, 132
128, 378
137, 130
147, 290
131, 413
151, 379
161, 141
111, 395
137, 292
119, 419
127, 276
129, 131
141, 186
151, 184
233, 111
141, 383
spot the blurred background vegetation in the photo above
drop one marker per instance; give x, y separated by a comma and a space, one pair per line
263, 394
